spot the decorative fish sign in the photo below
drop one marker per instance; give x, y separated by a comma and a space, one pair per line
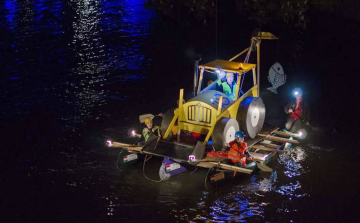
276, 77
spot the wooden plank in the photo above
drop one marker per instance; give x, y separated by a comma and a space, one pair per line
286, 134
207, 164
224, 166
257, 138
271, 145
126, 146
267, 149
258, 156
279, 139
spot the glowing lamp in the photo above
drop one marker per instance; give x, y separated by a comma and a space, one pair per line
217, 71
192, 157
133, 133
109, 143
297, 92
302, 134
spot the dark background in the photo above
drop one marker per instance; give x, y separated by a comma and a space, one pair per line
75, 73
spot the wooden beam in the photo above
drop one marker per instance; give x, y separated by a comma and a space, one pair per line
267, 149
287, 134
271, 145
126, 146
279, 139
224, 166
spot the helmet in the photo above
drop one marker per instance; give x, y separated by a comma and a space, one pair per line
239, 134
147, 120
297, 92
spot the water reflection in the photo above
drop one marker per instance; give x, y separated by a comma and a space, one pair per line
236, 207
11, 10
83, 90
293, 162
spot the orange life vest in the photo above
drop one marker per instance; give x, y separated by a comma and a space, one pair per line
234, 152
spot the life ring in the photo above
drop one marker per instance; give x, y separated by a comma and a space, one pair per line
224, 132
251, 115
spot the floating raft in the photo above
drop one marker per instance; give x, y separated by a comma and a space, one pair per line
265, 145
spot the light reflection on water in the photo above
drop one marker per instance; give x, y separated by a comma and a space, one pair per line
84, 90
249, 200
293, 161
73, 56
103, 45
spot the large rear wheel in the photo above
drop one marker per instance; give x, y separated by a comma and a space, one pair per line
251, 116
224, 132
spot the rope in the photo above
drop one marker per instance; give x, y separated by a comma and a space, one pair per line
117, 162
156, 181
246, 60
249, 52
146, 159
194, 170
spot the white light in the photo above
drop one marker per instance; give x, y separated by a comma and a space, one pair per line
192, 157
296, 93
301, 134
109, 143
217, 71
133, 132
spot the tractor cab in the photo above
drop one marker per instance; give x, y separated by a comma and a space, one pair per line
215, 73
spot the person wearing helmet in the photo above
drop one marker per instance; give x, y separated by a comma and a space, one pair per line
149, 129
237, 153
229, 86
297, 111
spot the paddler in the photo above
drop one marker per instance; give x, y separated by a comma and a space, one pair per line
237, 153
298, 112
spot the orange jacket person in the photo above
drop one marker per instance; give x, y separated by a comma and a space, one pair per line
237, 153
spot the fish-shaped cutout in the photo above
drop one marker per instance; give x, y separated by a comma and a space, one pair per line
276, 77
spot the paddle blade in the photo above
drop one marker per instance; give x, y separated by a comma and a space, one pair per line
264, 168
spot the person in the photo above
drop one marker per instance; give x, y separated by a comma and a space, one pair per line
221, 79
297, 111
229, 86
237, 153
149, 129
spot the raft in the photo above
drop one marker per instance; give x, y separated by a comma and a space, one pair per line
267, 145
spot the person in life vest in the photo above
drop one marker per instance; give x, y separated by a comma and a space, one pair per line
149, 129
229, 86
297, 111
237, 153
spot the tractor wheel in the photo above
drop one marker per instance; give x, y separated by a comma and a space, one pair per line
251, 115
224, 132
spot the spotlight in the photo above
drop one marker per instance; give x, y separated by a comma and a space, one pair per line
302, 134
109, 143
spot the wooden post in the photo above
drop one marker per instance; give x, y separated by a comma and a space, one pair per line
267, 149
287, 134
225, 166
126, 146
278, 139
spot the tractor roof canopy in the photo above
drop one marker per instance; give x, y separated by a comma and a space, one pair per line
228, 66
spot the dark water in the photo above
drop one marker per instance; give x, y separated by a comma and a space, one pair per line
74, 73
